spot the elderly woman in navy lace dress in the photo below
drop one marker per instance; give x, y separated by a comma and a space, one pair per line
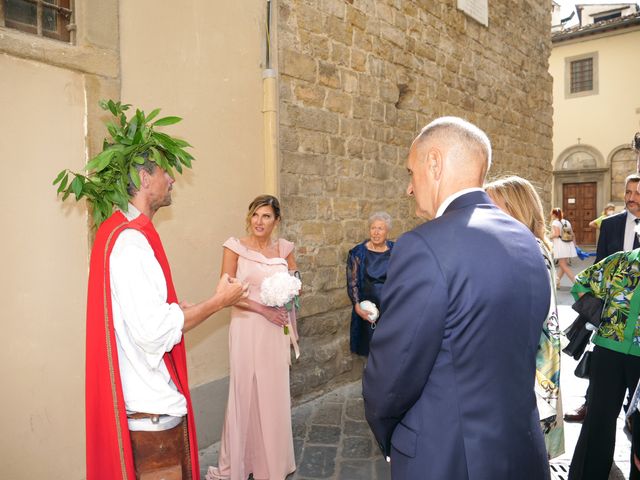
366, 273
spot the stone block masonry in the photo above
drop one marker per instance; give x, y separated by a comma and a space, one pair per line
357, 81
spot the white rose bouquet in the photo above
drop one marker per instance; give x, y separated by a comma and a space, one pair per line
281, 290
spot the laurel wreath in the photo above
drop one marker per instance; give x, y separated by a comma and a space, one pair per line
109, 173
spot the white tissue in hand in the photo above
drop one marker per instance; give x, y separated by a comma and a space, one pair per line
371, 309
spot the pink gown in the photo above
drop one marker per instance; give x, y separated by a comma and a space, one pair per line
257, 436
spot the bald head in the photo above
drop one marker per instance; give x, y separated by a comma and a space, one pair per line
469, 147
449, 155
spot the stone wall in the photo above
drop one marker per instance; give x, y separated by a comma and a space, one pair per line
357, 81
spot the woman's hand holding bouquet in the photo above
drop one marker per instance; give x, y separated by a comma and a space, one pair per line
280, 290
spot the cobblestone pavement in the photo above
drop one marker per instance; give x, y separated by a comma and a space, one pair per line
332, 439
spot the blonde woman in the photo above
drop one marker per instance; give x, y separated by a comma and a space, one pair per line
518, 198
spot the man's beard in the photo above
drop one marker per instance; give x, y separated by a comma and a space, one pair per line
164, 202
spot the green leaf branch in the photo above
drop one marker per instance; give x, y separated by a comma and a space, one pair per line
104, 185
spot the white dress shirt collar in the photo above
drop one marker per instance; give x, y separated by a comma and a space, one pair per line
447, 201
629, 232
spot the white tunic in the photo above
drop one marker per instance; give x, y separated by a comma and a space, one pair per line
146, 326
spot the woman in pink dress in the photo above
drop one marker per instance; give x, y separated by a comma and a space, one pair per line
257, 437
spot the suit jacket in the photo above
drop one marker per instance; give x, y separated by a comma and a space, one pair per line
449, 384
611, 239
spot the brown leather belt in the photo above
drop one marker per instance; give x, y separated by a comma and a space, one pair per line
142, 415
151, 422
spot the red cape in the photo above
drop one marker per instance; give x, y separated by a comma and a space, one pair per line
109, 452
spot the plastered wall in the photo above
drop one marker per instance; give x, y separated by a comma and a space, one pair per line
44, 270
209, 74
201, 61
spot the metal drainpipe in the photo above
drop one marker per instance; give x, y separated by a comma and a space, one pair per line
270, 116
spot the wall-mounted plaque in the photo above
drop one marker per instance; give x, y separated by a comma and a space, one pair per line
476, 9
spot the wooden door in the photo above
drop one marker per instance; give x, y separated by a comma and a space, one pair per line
579, 207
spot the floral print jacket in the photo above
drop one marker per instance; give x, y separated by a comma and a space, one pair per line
615, 280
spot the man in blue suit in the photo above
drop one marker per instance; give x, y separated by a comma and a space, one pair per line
448, 386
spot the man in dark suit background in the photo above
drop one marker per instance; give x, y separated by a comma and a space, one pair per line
448, 386
617, 233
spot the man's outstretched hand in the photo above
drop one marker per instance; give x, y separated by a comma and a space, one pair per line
230, 290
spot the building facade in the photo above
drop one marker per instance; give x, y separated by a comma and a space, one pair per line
596, 111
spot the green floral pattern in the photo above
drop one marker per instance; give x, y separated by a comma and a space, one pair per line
615, 280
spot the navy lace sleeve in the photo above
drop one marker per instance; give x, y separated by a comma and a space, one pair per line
353, 275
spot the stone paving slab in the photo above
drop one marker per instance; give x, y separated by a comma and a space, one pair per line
332, 440
336, 440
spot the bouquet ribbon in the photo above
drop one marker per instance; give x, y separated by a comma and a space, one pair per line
293, 334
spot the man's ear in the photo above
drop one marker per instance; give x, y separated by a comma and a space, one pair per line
144, 178
434, 163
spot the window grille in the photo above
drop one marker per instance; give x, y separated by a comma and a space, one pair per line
45, 18
582, 75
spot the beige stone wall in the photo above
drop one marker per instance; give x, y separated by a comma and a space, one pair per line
358, 79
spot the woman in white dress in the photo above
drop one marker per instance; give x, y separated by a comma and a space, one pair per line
562, 249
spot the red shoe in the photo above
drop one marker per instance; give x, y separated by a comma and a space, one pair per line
577, 416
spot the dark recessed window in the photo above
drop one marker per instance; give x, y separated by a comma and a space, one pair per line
582, 75
609, 16
45, 18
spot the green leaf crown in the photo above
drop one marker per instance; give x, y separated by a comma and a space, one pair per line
133, 140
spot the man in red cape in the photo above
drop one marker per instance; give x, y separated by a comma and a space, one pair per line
109, 451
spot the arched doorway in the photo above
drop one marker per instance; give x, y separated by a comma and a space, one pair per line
582, 186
